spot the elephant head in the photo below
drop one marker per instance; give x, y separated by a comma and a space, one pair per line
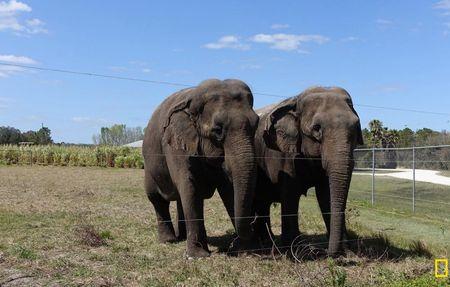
320, 123
219, 126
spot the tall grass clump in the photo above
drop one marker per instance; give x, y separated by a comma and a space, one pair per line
58, 155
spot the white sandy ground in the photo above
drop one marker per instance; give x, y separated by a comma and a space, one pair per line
424, 175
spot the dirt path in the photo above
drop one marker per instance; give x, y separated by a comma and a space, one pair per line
424, 175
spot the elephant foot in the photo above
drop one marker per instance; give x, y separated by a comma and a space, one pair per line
288, 239
167, 236
181, 234
181, 237
197, 250
244, 247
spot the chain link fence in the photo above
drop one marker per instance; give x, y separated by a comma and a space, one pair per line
414, 176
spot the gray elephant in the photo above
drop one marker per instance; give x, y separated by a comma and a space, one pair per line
307, 141
198, 140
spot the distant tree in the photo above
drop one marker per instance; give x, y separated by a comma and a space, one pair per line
118, 134
30, 136
10, 135
424, 135
380, 136
405, 137
366, 136
376, 130
43, 136
389, 138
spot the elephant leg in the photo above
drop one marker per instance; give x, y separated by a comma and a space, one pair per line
166, 231
323, 198
289, 218
227, 196
262, 225
181, 225
238, 245
196, 234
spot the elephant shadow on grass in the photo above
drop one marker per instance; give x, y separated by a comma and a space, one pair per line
307, 247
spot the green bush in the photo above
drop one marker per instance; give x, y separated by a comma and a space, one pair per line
102, 156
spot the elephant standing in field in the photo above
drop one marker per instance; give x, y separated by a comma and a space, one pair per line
198, 140
307, 141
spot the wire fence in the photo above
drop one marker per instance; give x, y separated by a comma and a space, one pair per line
415, 175
387, 197
428, 165
401, 179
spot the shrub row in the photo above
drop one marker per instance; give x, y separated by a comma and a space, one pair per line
103, 156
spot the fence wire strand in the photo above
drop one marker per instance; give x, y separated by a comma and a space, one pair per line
92, 74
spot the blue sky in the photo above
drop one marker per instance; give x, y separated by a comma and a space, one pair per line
385, 53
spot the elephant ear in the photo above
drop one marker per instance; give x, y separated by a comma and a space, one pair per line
188, 101
180, 124
281, 127
359, 137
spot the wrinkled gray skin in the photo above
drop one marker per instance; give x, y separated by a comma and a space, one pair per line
198, 140
321, 126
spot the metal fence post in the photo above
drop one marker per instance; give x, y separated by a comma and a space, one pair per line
414, 179
373, 176
31, 157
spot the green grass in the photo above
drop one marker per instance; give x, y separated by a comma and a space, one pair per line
91, 226
393, 209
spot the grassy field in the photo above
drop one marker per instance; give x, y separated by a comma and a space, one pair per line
94, 226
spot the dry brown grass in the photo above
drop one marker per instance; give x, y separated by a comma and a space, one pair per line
94, 226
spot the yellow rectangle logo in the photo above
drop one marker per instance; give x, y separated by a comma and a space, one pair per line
441, 268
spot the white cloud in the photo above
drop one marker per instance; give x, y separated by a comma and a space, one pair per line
384, 24
251, 67
138, 63
390, 88
10, 19
17, 59
131, 66
89, 120
279, 26
227, 42
6, 71
117, 68
443, 5
36, 26
13, 6
4, 103
288, 42
380, 21
8, 22
81, 119
350, 39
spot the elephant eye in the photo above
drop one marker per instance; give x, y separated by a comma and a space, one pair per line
217, 129
281, 133
316, 127
217, 132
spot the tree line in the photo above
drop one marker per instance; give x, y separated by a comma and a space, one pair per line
377, 135
118, 135
13, 136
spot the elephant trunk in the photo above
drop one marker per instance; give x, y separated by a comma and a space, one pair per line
339, 166
242, 165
